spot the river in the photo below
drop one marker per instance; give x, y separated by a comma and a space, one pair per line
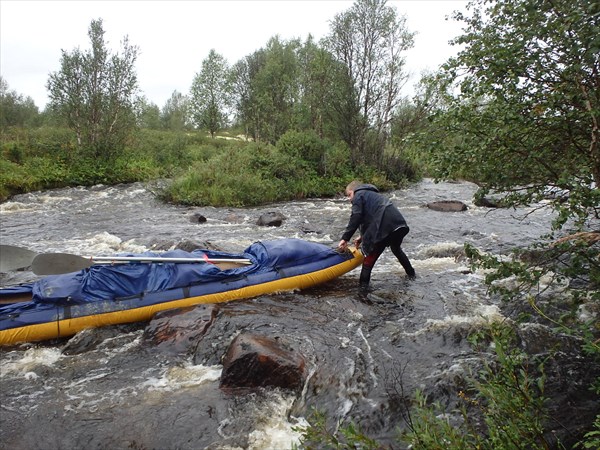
111, 388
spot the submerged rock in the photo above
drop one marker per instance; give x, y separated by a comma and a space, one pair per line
177, 329
489, 202
448, 206
190, 245
271, 219
197, 218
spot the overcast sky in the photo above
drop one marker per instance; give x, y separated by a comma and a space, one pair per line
175, 36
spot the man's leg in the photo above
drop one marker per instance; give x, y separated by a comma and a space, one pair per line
395, 245
365, 276
368, 263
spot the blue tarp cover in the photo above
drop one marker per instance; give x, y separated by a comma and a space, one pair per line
101, 282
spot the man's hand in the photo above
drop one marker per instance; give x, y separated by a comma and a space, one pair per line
343, 245
357, 241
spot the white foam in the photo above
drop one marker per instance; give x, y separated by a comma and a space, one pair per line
435, 264
587, 312
184, 376
101, 243
92, 376
483, 314
370, 360
91, 401
49, 200
275, 431
12, 207
548, 282
440, 247
32, 358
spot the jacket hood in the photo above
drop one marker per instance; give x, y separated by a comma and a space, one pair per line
366, 187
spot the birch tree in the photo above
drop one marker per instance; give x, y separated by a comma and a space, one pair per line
209, 94
94, 92
369, 39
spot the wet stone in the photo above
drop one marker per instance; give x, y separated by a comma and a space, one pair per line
160, 244
488, 202
258, 361
197, 218
271, 219
91, 338
189, 245
447, 206
177, 329
308, 229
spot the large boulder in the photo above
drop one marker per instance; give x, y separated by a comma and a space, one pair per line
258, 361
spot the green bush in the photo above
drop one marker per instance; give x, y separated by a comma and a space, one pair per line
244, 175
347, 436
52, 142
42, 173
203, 152
208, 181
305, 145
336, 161
14, 179
13, 151
398, 170
128, 169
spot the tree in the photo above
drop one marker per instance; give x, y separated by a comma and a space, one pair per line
209, 96
523, 112
267, 86
521, 119
94, 91
267, 90
16, 110
244, 92
277, 86
324, 86
175, 114
148, 114
369, 40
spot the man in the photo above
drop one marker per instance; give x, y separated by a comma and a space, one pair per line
381, 225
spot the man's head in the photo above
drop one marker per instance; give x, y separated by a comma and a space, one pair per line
351, 187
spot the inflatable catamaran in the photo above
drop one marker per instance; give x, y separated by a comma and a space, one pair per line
132, 288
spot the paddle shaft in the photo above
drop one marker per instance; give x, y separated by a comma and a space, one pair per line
58, 263
160, 259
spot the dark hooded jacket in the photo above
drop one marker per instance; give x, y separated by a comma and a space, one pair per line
376, 216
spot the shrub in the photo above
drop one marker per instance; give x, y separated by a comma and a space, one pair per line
245, 175
13, 179
13, 151
398, 169
305, 145
52, 142
336, 161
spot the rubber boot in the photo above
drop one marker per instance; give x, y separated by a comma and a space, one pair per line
365, 276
